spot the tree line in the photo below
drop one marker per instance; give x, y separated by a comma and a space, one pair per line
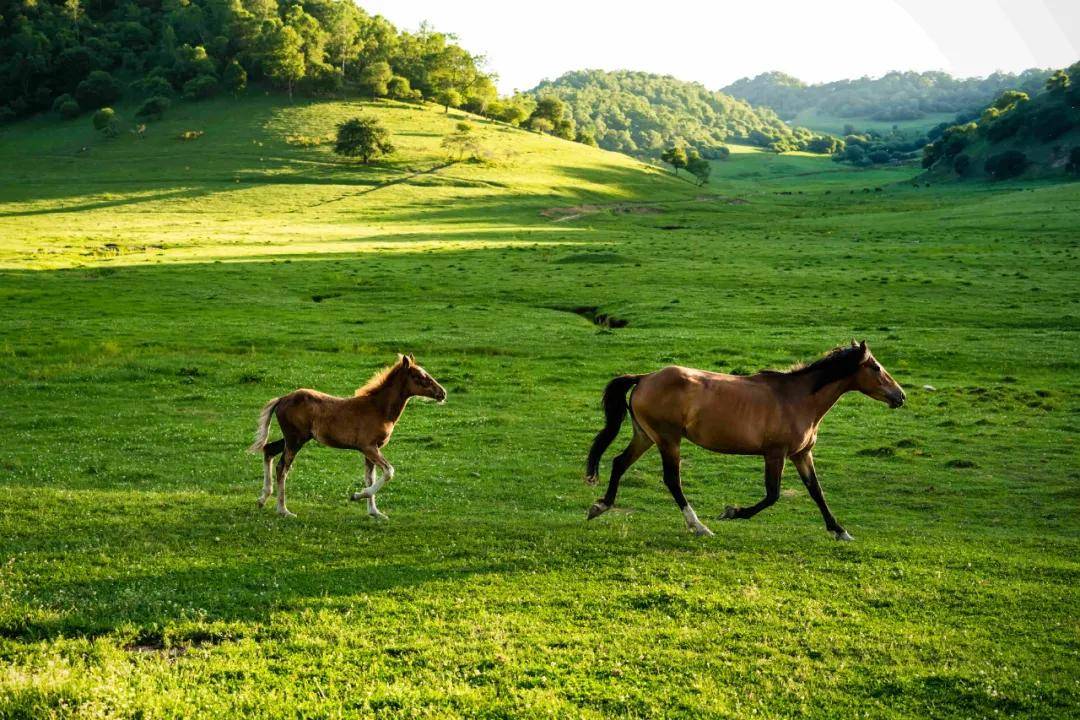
74, 56
893, 97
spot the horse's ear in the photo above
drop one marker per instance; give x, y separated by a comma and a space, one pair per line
405, 360
865, 350
853, 343
412, 358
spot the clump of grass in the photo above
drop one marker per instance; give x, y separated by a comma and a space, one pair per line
961, 464
192, 134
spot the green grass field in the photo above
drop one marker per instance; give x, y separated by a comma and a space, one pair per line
156, 292
814, 119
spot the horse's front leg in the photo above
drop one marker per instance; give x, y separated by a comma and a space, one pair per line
804, 463
376, 458
369, 479
774, 470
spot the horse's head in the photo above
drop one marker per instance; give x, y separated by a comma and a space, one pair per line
419, 382
875, 381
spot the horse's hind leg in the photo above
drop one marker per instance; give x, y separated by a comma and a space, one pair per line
774, 470
270, 451
671, 457
622, 462
282, 473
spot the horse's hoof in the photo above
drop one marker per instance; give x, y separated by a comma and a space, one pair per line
729, 513
286, 513
379, 515
598, 508
842, 535
702, 531
261, 502
590, 479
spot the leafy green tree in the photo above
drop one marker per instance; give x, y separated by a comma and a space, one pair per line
107, 122
376, 78
961, 164
201, 87
675, 157
1009, 98
399, 88
1057, 82
448, 98
283, 61
585, 137
541, 124
698, 166
363, 137
234, 78
153, 108
461, 142
97, 90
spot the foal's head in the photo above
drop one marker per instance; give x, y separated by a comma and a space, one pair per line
874, 380
418, 381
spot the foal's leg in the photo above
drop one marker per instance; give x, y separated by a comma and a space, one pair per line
369, 478
804, 463
622, 462
774, 470
372, 453
282, 473
270, 451
671, 458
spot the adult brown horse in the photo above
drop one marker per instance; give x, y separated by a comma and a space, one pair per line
363, 422
773, 414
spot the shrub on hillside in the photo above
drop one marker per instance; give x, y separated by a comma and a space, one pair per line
961, 163
69, 109
398, 88
153, 86
107, 122
234, 78
153, 109
60, 101
98, 90
364, 138
7, 114
201, 87
1008, 164
1052, 122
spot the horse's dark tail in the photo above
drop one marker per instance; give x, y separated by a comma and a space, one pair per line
615, 407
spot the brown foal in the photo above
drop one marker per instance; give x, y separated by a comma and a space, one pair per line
772, 414
363, 422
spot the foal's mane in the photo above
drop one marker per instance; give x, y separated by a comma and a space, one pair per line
837, 364
377, 380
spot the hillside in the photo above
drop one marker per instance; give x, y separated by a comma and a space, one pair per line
908, 99
277, 157
1018, 135
641, 114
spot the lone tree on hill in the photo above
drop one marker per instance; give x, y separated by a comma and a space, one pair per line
364, 138
698, 166
675, 157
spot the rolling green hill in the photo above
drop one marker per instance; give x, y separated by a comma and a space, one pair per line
1018, 135
641, 114
157, 292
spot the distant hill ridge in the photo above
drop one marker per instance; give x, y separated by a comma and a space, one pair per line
641, 113
895, 96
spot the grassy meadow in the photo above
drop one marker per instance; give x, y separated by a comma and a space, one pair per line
157, 292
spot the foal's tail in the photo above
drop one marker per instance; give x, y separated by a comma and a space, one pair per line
263, 430
615, 407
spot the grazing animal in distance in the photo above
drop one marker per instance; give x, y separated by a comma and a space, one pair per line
772, 414
363, 422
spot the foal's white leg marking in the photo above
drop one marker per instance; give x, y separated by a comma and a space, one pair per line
386, 476
693, 523
268, 472
369, 480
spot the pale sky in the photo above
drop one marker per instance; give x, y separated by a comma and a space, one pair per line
720, 41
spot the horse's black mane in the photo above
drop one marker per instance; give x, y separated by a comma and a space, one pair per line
837, 364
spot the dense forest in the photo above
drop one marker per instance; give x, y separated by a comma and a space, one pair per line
643, 114
73, 56
1018, 133
894, 97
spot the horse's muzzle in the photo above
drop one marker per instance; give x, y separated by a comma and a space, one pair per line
897, 399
